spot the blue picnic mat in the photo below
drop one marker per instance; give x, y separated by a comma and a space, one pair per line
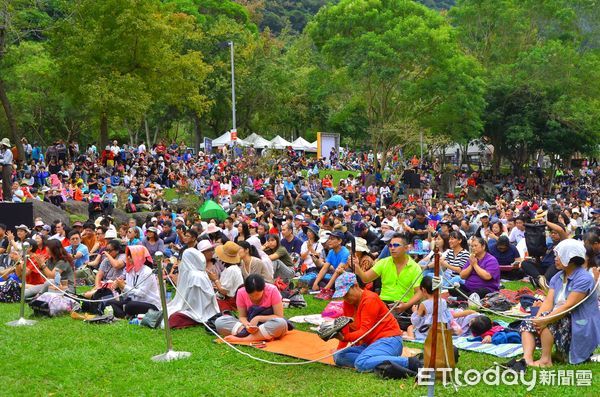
506, 350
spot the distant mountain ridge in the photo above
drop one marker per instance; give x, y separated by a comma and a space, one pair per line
277, 14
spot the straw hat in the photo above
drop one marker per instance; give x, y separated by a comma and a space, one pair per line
228, 253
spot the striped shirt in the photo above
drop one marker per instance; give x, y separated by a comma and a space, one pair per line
459, 260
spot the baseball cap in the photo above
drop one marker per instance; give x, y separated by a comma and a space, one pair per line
39, 224
299, 217
337, 234
324, 236
343, 284
360, 226
388, 235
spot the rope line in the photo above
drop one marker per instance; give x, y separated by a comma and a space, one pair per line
350, 344
77, 298
500, 314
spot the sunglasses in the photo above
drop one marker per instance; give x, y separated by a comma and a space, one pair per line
395, 245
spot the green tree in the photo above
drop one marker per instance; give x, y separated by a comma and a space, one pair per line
404, 61
20, 20
119, 57
533, 52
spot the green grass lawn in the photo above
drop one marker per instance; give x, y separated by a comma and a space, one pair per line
65, 357
337, 175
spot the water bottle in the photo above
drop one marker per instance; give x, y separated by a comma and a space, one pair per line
57, 279
135, 321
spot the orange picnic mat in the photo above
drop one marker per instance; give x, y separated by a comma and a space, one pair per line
308, 346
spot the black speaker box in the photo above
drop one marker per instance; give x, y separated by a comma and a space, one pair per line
15, 214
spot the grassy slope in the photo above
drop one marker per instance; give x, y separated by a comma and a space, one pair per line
66, 357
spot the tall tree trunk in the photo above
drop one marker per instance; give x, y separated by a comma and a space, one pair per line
103, 130
147, 130
496, 161
155, 138
12, 122
197, 132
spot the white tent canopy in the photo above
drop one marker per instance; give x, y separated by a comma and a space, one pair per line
475, 147
257, 141
279, 143
303, 144
225, 139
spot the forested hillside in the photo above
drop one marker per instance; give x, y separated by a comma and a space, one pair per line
277, 14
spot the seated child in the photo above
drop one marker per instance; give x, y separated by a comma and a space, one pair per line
422, 318
486, 331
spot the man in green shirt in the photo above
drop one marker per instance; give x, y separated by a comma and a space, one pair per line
400, 278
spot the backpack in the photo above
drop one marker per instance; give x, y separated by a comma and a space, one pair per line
105, 294
497, 302
52, 304
130, 208
535, 239
10, 292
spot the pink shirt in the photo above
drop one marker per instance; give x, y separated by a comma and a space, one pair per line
271, 297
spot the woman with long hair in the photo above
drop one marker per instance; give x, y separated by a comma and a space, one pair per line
456, 258
59, 268
442, 242
243, 232
251, 263
283, 265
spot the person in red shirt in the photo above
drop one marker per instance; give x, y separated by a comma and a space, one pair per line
384, 343
32, 275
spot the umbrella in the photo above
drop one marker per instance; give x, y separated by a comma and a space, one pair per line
334, 201
212, 210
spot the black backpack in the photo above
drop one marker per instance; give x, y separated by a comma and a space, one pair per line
535, 239
104, 294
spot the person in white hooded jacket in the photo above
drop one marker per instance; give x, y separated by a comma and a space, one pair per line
195, 301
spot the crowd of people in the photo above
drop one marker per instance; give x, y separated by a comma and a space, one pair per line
368, 238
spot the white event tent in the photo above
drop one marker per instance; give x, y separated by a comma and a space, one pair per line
225, 139
279, 143
257, 141
303, 144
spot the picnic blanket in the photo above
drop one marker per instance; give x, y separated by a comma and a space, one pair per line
308, 346
506, 350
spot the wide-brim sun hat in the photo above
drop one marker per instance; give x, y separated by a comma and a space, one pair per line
23, 227
228, 253
361, 245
